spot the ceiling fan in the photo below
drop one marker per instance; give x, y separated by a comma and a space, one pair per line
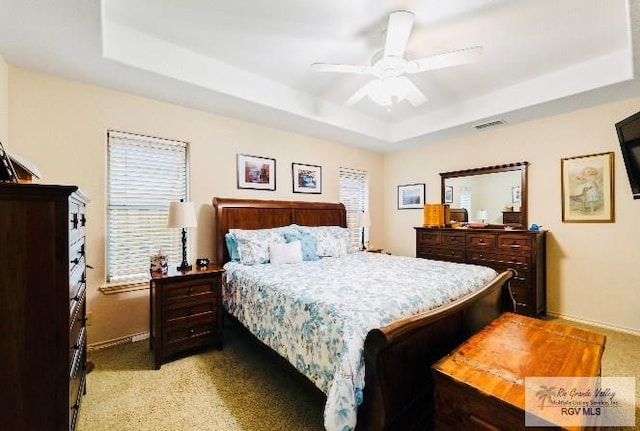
389, 66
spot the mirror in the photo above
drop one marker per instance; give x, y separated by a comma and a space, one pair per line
492, 195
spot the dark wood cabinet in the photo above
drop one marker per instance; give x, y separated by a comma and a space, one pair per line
185, 311
42, 306
522, 250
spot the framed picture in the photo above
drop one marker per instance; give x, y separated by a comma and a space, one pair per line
587, 188
515, 194
256, 172
448, 194
411, 196
306, 178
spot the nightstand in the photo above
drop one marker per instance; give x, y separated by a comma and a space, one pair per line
185, 311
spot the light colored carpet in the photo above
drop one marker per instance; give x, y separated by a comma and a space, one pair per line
241, 388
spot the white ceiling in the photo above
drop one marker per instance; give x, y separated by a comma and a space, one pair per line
250, 58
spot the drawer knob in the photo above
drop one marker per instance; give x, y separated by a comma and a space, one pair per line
190, 291
191, 331
481, 241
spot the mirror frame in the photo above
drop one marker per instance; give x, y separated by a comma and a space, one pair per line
520, 166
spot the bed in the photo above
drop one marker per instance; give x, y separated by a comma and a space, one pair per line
395, 357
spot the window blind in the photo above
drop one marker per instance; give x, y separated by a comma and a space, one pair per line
354, 192
144, 175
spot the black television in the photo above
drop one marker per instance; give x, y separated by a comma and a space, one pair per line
629, 137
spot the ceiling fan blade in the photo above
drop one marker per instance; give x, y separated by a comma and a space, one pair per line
398, 30
361, 93
340, 68
447, 59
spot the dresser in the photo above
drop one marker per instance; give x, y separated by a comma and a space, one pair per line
42, 306
185, 311
481, 384
500, 249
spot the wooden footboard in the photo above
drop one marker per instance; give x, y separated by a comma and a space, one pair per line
398, 393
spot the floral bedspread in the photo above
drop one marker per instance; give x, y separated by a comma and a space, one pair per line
317, 314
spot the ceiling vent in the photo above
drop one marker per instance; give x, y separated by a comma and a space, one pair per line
489, 124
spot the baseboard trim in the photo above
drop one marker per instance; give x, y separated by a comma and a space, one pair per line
117, 341
595, 323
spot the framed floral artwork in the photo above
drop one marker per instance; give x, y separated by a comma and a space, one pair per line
256, 172
587, 188
306, 178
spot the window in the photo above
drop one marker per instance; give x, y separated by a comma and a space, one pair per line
145, 174
354, 192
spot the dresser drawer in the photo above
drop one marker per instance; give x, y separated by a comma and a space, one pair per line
77, 340
189, 310
481, 241
447, 254
429, 237
77, 220
500, 260
514, 242
453, 239
77, 279
76, 254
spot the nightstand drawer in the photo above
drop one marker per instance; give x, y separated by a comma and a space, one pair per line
189, 310
178, 338
185, 290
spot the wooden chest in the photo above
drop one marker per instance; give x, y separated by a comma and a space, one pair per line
480, 385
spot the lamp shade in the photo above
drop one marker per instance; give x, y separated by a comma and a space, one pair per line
364, 219
181, 215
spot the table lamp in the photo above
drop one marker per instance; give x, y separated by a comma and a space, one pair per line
182, 215
364, 220
482, 216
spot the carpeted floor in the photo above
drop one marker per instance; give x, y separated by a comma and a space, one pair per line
240, 388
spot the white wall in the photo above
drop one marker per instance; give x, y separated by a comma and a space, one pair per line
592, 267
61, 126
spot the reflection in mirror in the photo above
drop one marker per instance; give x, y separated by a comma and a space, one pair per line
492, 195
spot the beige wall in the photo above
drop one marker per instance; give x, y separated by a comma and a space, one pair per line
592, 267
61, 125
4, 103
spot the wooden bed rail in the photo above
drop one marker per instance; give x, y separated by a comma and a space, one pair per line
404, 400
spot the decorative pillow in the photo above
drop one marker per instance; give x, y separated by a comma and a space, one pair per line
307, 243
331, 241
285, 253
253, 245
232, 246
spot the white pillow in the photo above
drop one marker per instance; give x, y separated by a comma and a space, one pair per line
285, 253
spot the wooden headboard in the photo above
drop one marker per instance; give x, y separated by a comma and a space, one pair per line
231, 213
